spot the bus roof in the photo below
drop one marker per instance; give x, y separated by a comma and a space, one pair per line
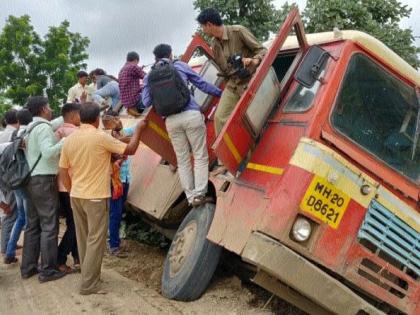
366, 41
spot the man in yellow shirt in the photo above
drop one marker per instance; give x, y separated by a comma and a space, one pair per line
87, 152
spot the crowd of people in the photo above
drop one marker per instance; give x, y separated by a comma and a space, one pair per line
79, 163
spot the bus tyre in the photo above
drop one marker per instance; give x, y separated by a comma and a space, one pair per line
192, 259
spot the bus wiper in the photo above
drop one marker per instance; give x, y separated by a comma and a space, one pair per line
416, 135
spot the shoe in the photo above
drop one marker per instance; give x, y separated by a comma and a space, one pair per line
220, 169
10, 260
118, 253
29, 274
76, 265
103, 107
54, 276
66, 269
133, 112
201, 200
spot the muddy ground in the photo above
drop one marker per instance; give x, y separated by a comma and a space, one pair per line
133, 286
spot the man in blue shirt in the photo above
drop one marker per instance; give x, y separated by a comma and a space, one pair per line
186, 129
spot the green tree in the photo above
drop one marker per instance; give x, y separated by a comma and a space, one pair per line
20, 68
4, 106
30, 65
380, 18
63, 56
259, 16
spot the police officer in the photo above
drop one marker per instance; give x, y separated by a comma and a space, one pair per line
237, 53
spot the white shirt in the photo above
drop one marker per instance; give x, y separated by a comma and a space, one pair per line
6, 134
76, 91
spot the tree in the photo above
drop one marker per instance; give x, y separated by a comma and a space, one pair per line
4, 106
259, 16
20, 69
380, 18
30, 65
63, 56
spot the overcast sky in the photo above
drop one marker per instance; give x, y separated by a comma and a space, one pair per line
115, 27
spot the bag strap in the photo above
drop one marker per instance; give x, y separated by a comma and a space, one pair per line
36, 163
26, 133
14, 134
32, 127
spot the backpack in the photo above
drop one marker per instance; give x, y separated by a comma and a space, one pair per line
14, 169
168, 90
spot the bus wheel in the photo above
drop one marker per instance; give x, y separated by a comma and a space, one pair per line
192, 259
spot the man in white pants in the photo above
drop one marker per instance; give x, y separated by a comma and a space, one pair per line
186, 129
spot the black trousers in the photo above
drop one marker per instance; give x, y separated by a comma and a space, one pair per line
68, 243
41, 235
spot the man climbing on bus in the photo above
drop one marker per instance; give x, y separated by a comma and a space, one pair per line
165, 86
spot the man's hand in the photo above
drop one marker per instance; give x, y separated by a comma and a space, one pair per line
5, 207
65, 178
251, 61
118, 163
135, 139
83, 97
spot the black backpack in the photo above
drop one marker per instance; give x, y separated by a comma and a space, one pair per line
169, 92
14, 169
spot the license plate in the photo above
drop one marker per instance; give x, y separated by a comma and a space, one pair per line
325, 202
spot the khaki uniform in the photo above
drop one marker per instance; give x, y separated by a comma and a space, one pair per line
236, 39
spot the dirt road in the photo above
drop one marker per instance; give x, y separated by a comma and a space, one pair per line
138, 295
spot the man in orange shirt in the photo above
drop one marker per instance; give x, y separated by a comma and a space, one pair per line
87, 152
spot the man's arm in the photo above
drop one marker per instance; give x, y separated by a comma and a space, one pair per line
64, 165
135, 139
65, 178
138, 72
56, 123
254, 45
145, 94
197, 80
116, 146
47, 140
70, 95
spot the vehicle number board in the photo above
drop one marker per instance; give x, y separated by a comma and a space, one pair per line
325, 202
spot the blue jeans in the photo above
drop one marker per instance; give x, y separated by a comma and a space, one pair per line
111, 90
22, 206
115, 215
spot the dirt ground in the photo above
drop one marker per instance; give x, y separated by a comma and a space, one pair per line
133, 286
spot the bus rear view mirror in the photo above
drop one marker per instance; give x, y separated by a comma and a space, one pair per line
312, 65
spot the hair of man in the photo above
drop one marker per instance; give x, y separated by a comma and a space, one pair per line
209, 15
36, 104
133, 56
82, 74
99, 71
89, 113
162, 51
24, 117
10, 117
69, 108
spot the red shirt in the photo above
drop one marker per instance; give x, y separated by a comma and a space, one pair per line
129, 83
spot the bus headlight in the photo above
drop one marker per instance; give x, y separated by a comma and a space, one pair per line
301, 229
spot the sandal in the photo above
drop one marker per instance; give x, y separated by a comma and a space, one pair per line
66, 269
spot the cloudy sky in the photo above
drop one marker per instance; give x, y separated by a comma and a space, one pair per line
115, 27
